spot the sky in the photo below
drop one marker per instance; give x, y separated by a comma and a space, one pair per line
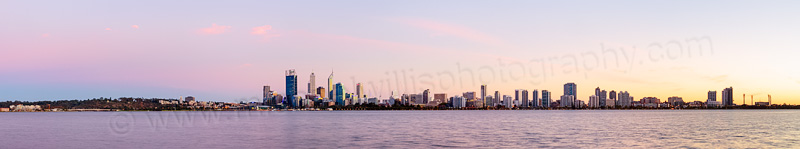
228, 50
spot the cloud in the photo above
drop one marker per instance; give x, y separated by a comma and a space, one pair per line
135, 26
45, 35
108, 29
265, 31
261, 30
215, 29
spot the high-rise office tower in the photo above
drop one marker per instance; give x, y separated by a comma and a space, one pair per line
517, 95
330, 86
483, 93
613, 96
291, 87
339, 93
360, 93
604, 99
546, 100
312, 84
525, 101
601, 96
267, 93
712, 96
571, 89
535, 102
321, 92
426, 95
624, 99
727, 96
497, 97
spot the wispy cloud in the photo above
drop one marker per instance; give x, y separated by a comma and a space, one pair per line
108, 29
135, 26
45, 35
442, 29
215, 29
265, 31
261, 30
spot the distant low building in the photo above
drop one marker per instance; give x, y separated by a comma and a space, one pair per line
696, 104
24, 108
713, 104
189, 99
4, 109
459, 102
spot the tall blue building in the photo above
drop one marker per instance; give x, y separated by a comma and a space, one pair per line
546, 99
291, 87
571, 89
339, 94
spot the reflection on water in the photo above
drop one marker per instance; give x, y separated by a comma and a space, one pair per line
405, 129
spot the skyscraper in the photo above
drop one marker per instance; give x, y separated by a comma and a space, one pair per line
546, 99
360, 93
613, 96
601, 95
712, 96
339, 93
321, 92
426, 96
312, 84
727, 96
517, 95
571, 89
291, 87
535, 102
525, 101
330, 86
604, 99
497, 97
483, 93
267, 93
625, 99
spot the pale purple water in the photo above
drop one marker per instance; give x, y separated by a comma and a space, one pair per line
404, 129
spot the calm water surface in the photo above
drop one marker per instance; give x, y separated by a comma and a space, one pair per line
405, 129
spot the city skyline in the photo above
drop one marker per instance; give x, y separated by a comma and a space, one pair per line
518, 99
57, 51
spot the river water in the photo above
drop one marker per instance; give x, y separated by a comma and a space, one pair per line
404, 129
